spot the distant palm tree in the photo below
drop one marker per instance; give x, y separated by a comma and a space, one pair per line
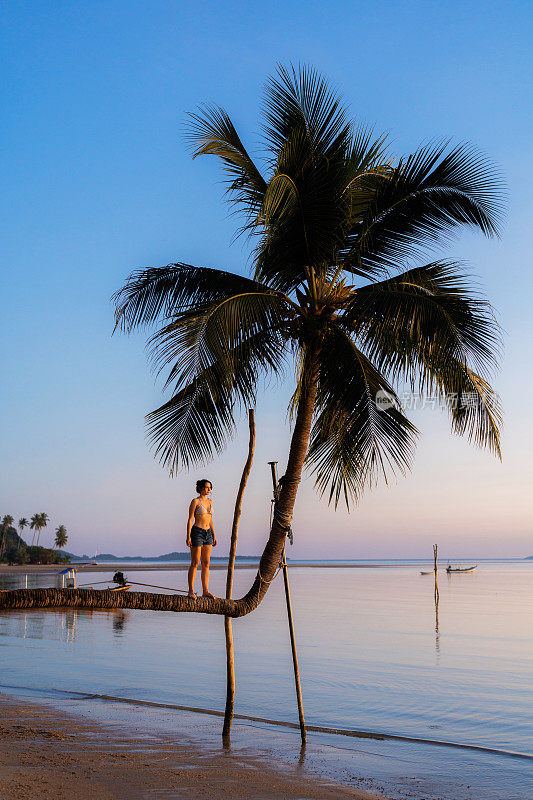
34, 526
7, 521
23, 523
38, 522
43, 522
337, 219
61, 536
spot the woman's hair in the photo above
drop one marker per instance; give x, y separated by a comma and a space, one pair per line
201, 484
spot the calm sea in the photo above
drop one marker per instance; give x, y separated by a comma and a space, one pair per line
375, 652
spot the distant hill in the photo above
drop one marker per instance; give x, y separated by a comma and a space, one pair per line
174, 556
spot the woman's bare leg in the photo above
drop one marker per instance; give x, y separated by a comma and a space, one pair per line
206, 557
195, 560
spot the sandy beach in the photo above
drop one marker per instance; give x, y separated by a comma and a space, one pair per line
53, 755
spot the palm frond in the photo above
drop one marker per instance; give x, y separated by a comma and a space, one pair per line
193, 425
158, 292
352, 441
195, 339
474, 406
304, 213
211, 132
366, 151
423, 200
314, 194
216, 357
303, 99
419, 320
429, 327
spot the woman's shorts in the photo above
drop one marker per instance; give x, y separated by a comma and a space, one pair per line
200, 536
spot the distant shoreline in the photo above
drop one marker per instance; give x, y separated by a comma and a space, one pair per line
252, 564
108, 566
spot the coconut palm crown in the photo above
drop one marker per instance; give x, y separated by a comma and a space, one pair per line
7, 521
341, 291
335, 219
61, 536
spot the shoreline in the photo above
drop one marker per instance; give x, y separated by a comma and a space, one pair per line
50, 754
54, 569
222, 564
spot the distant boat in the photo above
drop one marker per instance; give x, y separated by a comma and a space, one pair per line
427, 573
449, 569
124, 588
121, 581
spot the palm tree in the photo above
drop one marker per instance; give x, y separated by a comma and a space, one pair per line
23, 523
34, 524
38, 522
7, 521
336, 220
43, 521
339, 292
61, 536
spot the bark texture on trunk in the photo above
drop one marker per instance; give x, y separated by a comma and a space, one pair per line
230, 661
91, 599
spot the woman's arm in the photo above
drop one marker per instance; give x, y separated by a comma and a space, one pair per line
213, 528
190, 521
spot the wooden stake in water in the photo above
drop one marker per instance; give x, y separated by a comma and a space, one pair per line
230, 662
273, 468
435, 568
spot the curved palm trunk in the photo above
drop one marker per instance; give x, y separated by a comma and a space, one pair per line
90, 599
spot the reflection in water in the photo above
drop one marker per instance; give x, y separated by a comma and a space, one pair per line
120, 617
68, 625
58, 625
36, 624
436, 599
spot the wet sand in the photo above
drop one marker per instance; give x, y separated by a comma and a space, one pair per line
52, 755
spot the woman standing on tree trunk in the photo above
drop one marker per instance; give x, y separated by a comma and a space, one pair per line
201, 535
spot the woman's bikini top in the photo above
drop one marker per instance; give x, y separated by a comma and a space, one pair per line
201, 509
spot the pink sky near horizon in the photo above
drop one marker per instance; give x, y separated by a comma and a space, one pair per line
456, 495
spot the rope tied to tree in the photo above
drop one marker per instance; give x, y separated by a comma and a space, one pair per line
264, 580
280, 518
283, 520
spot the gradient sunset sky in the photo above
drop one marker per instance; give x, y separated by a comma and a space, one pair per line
97, 181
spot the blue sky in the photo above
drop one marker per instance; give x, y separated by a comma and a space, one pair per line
98, 181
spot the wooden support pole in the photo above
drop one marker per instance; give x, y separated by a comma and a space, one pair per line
230, 661
435, 569
291, 624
